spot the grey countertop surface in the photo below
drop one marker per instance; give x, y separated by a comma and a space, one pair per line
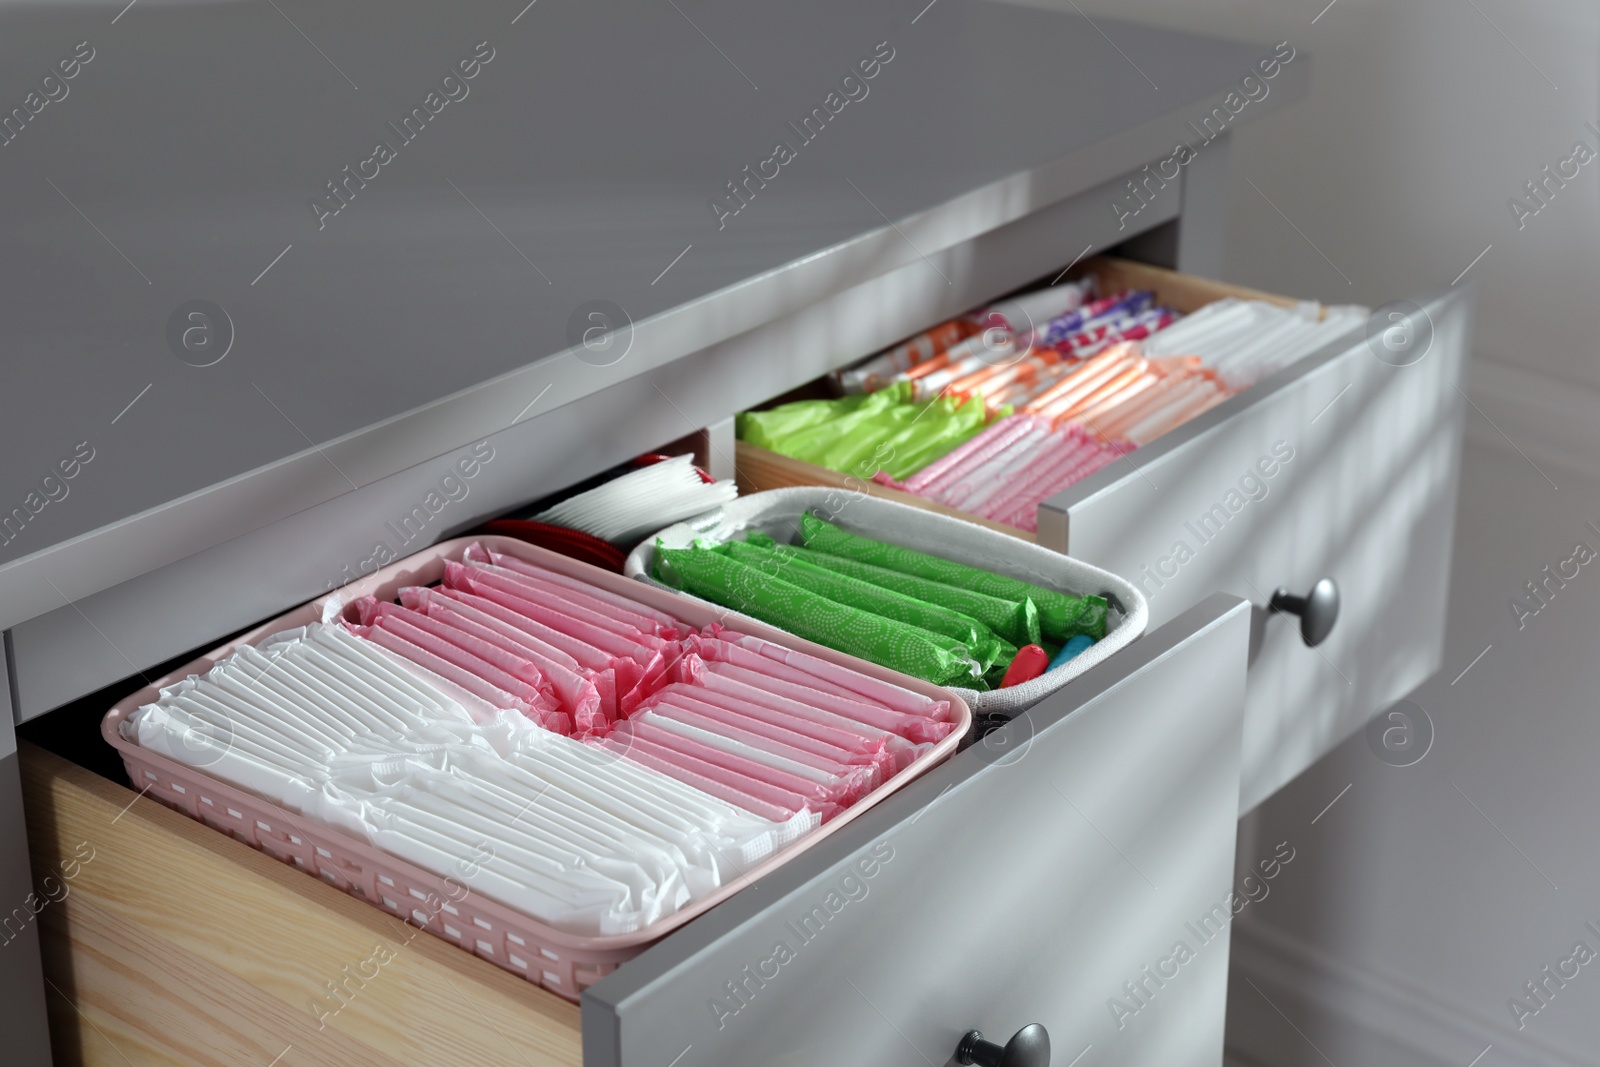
442, 302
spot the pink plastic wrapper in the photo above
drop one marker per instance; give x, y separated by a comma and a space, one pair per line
916, 728
884, 748
991, 494
771, 741
758, 797
579, 696
690, 667
466, 679
628, 658
619, 612
1063, 451
586, 659
556, 599
516, 676
1022, 509
797, 714
666, 626
835, 746
888, 694
819, 795
715, 649
537, 702
984, 444
991, 465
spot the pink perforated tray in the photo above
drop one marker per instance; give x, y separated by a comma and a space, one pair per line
561, 962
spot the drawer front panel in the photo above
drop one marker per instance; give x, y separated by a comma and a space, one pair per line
1343, 466
97, 639
1024, 881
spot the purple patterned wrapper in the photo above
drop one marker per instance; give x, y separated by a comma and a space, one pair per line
1060, 328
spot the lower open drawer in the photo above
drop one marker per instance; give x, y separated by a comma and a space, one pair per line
1025, 880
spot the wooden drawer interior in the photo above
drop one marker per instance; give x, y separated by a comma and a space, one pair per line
174, 944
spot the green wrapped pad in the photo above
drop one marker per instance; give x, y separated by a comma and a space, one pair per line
782, 560
911, 650
1015, 620
868, 432
1061, 616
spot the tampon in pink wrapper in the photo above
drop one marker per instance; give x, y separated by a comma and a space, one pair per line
842, 784
538, 702
888, 694
709, 649
554, 598
890, 750
467, 680
580, 696
911, 727
995, 465
663, 621
617, 608
1065, 449
834, 746
1029, 519
639, 748
678, 710
903, 750
817, 794
628, 658
641, 753
587, 659
980, 495
993, 438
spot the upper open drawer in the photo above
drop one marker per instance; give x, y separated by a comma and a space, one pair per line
1342, 467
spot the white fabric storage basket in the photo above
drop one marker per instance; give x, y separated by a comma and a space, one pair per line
777, 513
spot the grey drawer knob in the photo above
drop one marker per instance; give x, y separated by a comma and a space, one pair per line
1028, 1047
1318, 610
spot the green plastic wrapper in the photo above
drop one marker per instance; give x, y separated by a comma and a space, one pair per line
784, 561
1015, 620
1061, 616
709, 574
865, 433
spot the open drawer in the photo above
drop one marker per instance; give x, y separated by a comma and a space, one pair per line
1341, 466
1025, 880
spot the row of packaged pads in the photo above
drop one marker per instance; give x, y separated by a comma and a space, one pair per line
609, 765
992, 415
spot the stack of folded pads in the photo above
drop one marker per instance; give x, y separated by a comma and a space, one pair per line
606, 764
1042, 405
922, 615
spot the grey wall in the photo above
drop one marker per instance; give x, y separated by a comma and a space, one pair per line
1409, 916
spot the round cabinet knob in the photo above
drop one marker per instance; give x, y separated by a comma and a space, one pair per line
1028, 1047
1318, 610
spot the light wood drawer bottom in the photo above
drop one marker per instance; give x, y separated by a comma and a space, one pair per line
177, 945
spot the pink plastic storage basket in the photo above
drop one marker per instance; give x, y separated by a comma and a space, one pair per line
561, 962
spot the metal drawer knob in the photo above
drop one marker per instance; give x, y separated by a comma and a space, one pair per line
1318, 610
1028, 1047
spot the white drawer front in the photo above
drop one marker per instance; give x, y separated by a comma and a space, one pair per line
1343, 466
993, 893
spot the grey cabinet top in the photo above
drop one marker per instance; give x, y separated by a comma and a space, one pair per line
255, 254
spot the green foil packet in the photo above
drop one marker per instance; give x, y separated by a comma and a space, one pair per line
865, 433
713, 576
1061, 616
